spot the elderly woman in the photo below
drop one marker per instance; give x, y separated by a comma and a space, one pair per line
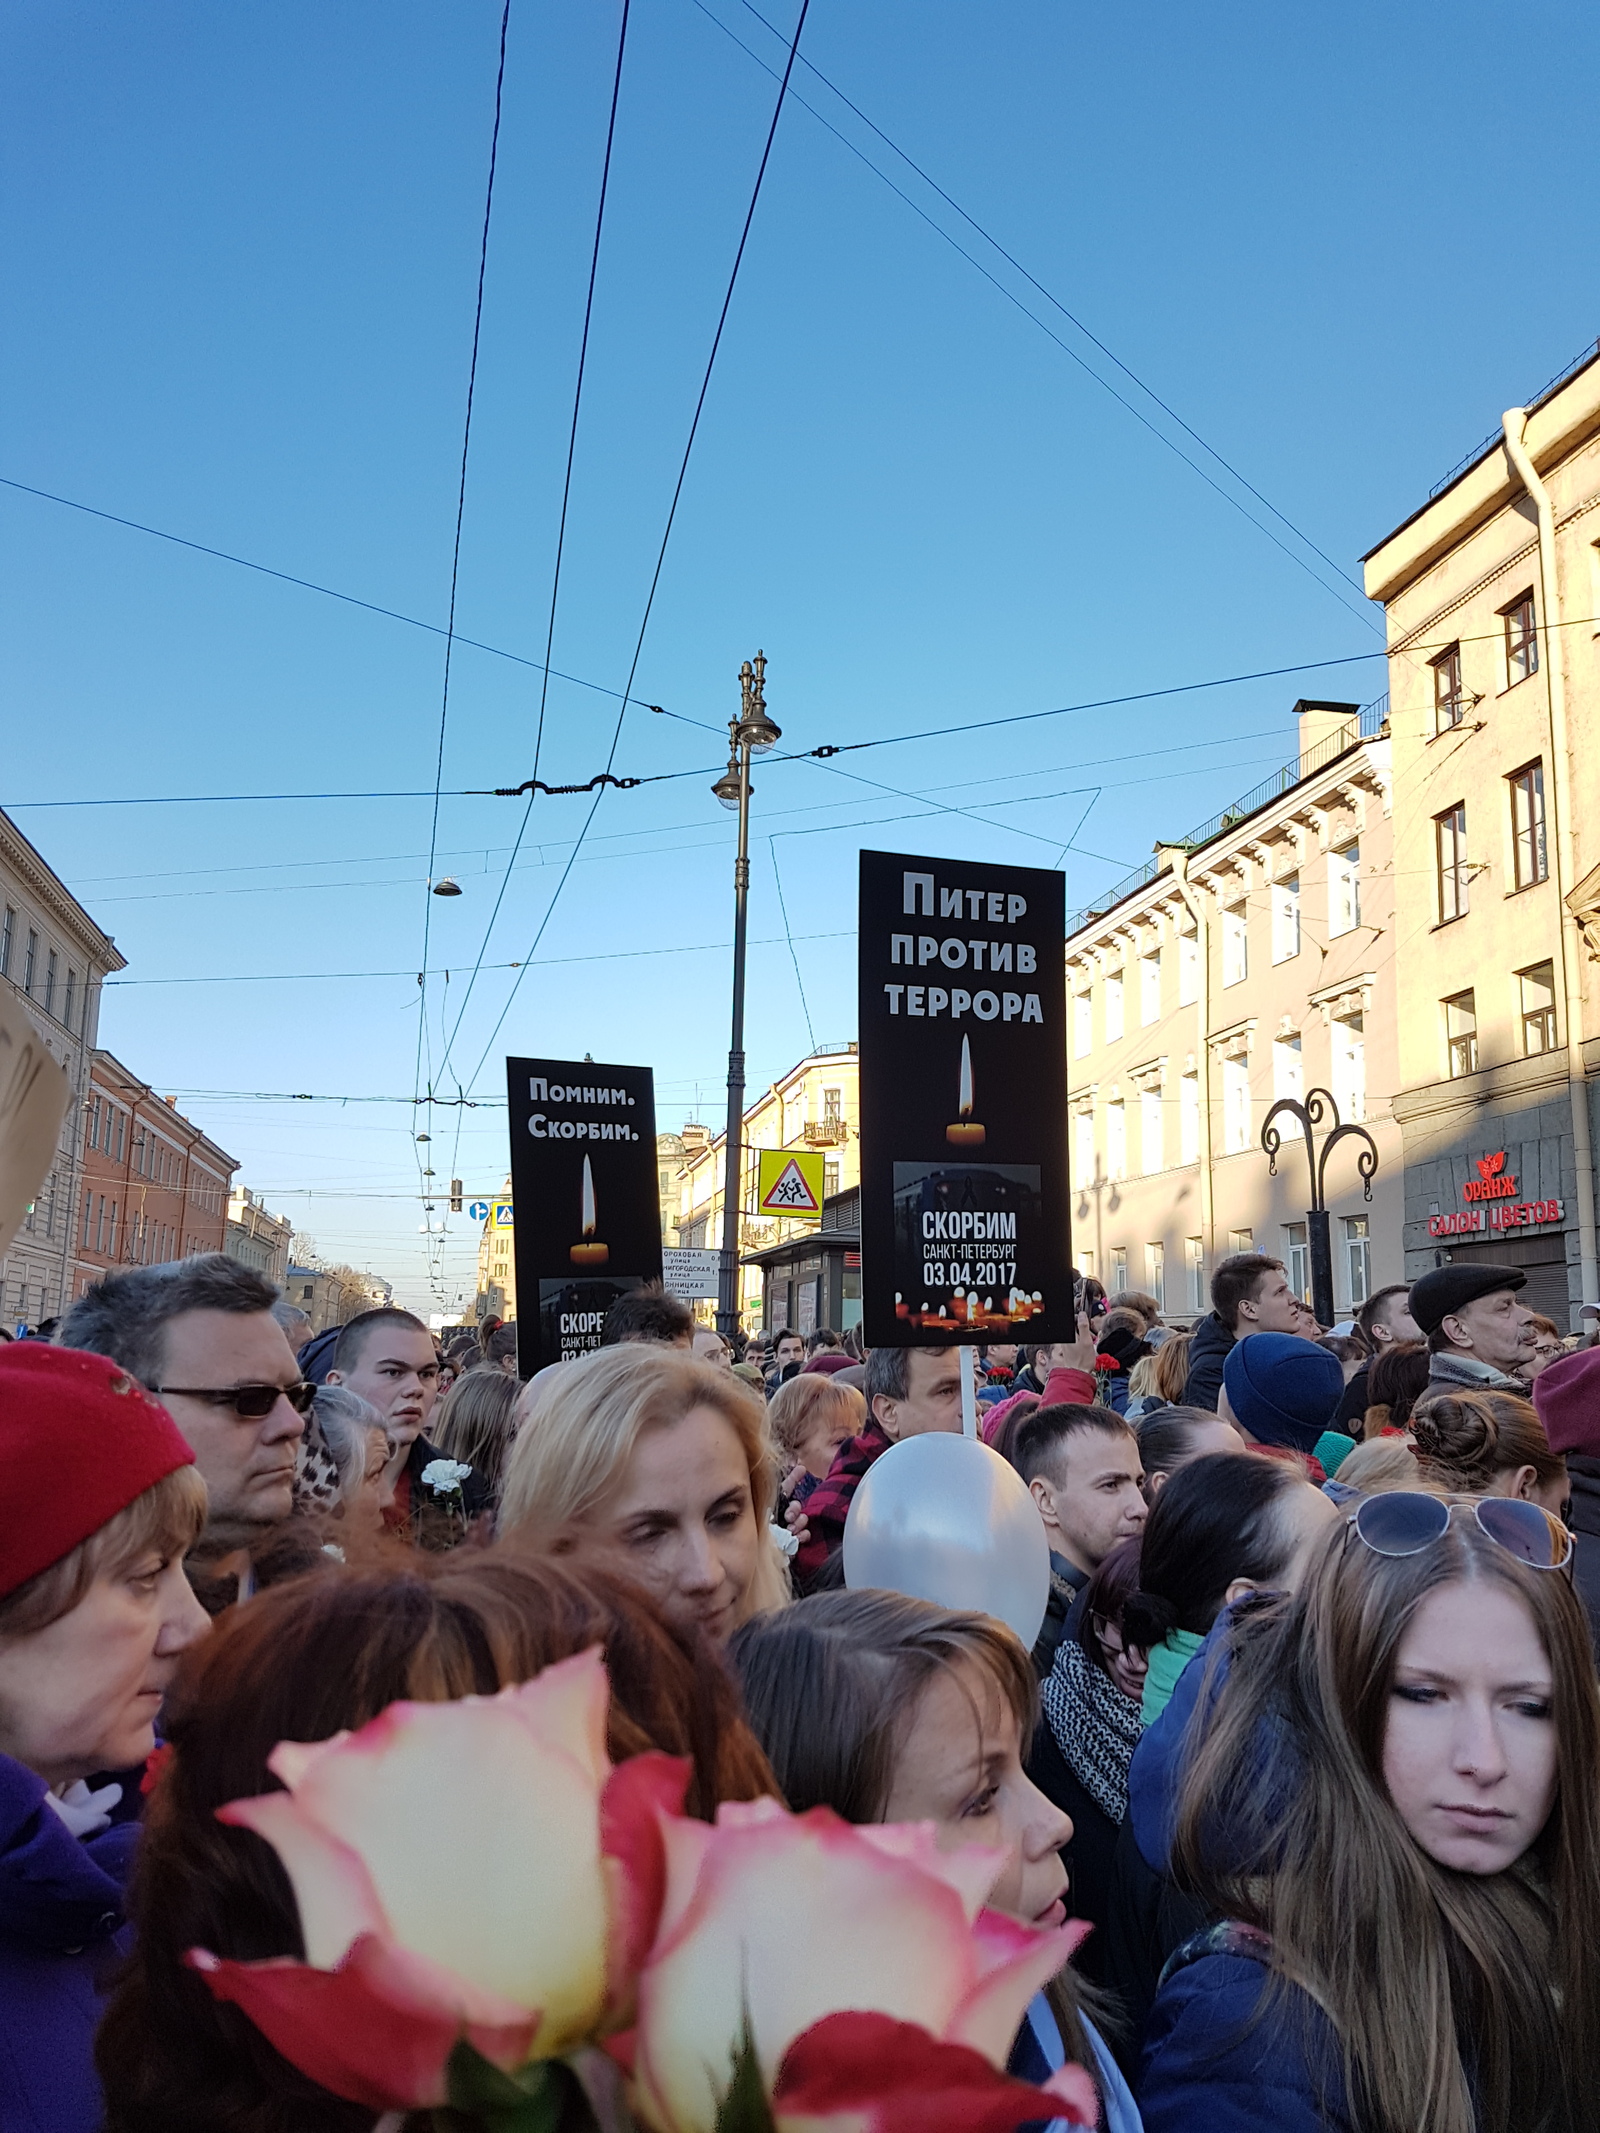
94, 1611
640, 1460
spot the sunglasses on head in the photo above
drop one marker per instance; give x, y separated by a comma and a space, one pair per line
249, 1402
1404, 1522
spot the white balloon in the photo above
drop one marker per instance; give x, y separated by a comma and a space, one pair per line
946, 1519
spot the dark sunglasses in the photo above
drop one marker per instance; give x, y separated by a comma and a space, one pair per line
1404, 1522
249, 1402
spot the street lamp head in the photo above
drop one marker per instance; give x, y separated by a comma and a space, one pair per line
727, 786
447, 887
755, 730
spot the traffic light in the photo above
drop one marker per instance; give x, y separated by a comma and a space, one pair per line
455, 1196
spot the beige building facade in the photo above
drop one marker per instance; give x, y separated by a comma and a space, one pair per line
1492, 597
53, 961
814, 1106
497, 1260
1251, 960
256, 1237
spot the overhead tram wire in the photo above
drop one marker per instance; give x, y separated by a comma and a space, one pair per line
455, 556
672, 513
1012, 298
534, 784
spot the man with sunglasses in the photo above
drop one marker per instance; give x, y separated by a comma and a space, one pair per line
200, 1335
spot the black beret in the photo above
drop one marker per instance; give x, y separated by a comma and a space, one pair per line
1447, 1288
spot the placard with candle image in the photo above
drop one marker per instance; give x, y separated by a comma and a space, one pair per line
587, 1194
965, 1213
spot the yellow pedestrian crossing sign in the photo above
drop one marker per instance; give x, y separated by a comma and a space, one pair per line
791, 1184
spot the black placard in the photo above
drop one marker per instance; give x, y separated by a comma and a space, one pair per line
585, 1187
965, 1219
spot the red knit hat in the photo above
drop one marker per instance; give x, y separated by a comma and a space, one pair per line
1566, 1394
79, 1440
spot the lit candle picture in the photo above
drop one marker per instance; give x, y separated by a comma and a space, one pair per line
588, 1253
965, 1134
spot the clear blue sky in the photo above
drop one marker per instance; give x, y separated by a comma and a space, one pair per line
239, 258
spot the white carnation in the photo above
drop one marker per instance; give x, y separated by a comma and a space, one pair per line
444, 1476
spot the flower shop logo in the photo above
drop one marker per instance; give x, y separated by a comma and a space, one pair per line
1493, 1182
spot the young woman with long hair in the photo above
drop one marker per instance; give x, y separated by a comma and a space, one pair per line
1223, 1526
642, 1461
1397, 1377
476, 1423
888, 1709
1395, 1812
302, 1662
1488, 1443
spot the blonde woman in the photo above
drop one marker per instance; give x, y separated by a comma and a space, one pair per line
642, 1461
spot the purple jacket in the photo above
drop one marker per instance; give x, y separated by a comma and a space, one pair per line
61, 1931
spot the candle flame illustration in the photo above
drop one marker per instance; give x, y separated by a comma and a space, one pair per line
588, 1199
966, 1079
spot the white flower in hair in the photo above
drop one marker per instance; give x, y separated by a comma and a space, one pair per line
444, 1476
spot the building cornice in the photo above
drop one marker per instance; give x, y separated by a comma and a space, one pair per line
99, 949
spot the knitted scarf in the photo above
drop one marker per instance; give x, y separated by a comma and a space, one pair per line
1096, 1727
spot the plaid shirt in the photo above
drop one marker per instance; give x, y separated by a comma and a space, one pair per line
828, 1505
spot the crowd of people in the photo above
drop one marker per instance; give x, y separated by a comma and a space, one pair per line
1310, 1733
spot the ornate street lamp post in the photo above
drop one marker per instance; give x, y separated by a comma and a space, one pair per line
752, 732
1317, 1108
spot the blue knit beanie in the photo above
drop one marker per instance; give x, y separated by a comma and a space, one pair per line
1283, 1389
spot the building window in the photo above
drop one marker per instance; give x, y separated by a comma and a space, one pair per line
1358, 1258
1082, 1025
832, 1102
830, 1180
1288, 1079
1241, 1240
1344, 889
8, 928
1537, 998
1116, 1140
94, 1122
1155, 1272
1151, 1151
1286, 918
1086, 1256
1083, 1146
50, 967
1449, 705
1460, 1034
1114, 1007
28, 961
72, 988
1350, 1067
1522, 640
1150, 987
1297, 1259
1188, 969
1194, 1266
1236, 1105
1189, 1119
1119, 1268
88, 1210
1528, 861
1235, 944
1450, 862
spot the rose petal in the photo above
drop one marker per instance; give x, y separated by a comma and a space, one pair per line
568, 1703
1015, 1961
332, 1888
971, 1869
637, 1795
291, 1759
514, 1899
379, 2030
791, 1920
862, 2073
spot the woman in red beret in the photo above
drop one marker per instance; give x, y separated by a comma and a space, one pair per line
103, 1503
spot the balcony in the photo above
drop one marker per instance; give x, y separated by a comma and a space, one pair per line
828, 1133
